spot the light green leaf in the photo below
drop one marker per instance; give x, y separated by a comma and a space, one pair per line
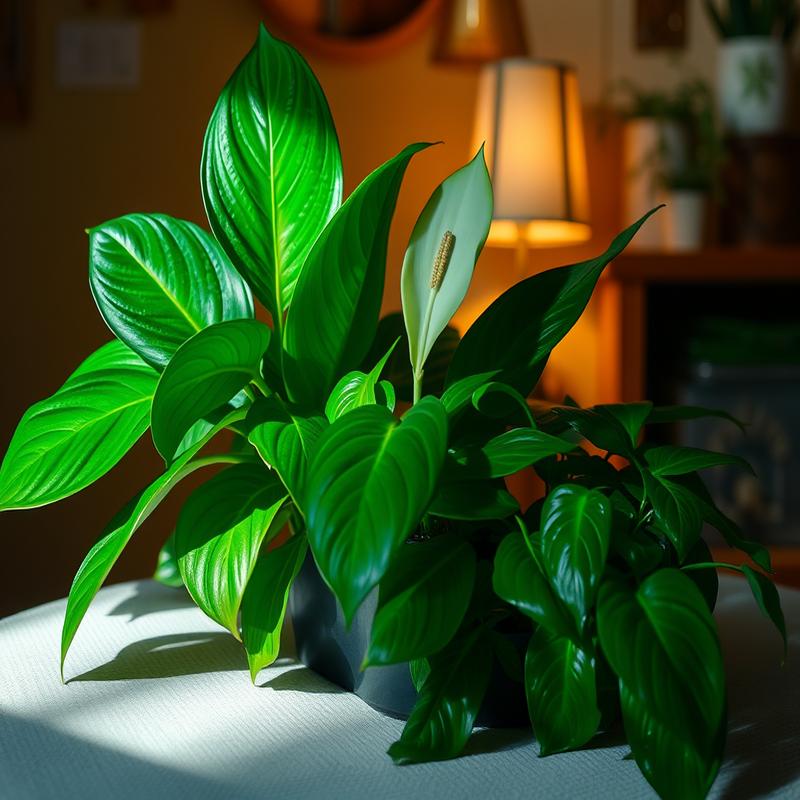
560, 685
265, 599
576, 533
449, 700
508, 453
662, 643
369, 483
271, 171
359, 389
458, 395
423, 598
286, 441
204, 374
103, 555
158, 280
167, 572
460, 208
338, 296
471, 500
516, 333
519, 579
669, 460
768, 599
219, 533
69, 440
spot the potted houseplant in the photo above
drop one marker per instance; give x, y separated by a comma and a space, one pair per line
752, 66
596, 600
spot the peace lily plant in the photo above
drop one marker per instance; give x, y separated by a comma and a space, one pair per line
605, 579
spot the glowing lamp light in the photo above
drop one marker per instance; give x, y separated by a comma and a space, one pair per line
529, 115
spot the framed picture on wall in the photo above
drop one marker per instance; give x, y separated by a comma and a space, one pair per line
15, 59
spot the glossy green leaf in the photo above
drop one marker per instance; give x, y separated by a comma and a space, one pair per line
369, 483
473, 500
286, 441
265, 599
69, 440
560, 685
669, 460
107, 549
508, 453
357, 389
768, 599
677, 511
576, 533
419, 668
668, 414
501, 401
519, 579
219, 534
271, 171
458, 395
631, 416
603, 430
444, 714
167, 572
423, 598
518, 330
338, 294
461, 206
661, 641
158, 280
204, 374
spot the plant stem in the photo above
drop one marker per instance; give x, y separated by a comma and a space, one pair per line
262, 385
711, 565
417, 387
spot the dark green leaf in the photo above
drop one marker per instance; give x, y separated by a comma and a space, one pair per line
219, 534
561, 690
265, 599
501, 401
576, 532
68, 441
448, 703
662, 643
423, 598
458, 395
517, 332
768, 600
507, 656
271, 171
631, 416
338, 294
158, 280
472, 500
667, 414
677, 511
669, 460
706, 580
369, 483
204, 374
167, 572
419, 668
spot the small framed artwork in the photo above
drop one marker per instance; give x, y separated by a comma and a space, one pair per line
15, 59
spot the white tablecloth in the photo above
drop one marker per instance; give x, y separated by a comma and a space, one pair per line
159, 704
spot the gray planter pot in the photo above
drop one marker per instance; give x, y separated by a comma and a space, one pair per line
327, 647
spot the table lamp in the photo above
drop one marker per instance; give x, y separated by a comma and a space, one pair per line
529, 116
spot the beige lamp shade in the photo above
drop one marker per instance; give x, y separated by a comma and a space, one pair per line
529, 116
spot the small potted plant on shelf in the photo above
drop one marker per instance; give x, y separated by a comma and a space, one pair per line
752, 67
593, 604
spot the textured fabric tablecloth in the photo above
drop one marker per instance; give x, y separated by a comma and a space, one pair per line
159, 704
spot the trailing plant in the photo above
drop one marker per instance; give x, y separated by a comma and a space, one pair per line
606, 578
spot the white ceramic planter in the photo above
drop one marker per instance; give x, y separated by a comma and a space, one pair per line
651, 148
683, 219
752, 79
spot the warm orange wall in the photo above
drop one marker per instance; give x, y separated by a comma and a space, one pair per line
88, 156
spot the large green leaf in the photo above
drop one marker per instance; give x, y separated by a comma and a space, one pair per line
107, 549
768, 600
447, 239
560, 685
661, 641
338, 295
518, 330
498, 400
678, 512
265, 599
271, 171
69, 440
519, 579
286, 441
158, 280
448, 703
368, 484
219, 534
576, 533
473, 500
670, 460
204, 374
508, 453
631, 416
423, 598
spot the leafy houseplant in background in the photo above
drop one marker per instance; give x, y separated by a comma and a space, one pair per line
752, 68
605, 580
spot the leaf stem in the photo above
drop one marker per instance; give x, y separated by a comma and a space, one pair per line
711, 565
417, 387
261, 384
